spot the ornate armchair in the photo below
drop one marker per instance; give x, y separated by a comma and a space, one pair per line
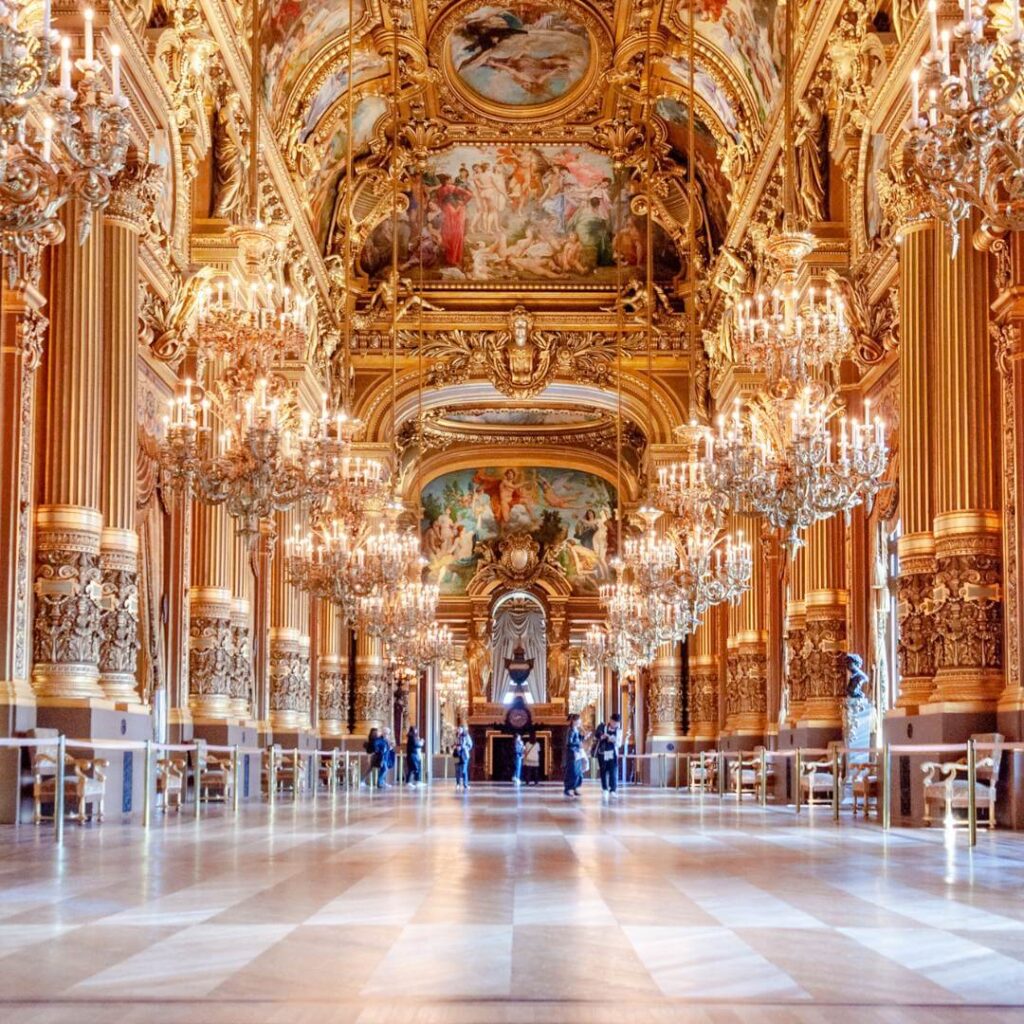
745, 773
214, 775
946, 785
864, 784
170, 780
702, 772
83, 780
817, 779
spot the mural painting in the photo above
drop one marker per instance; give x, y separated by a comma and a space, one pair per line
522, 54
294, 32
562, 508
520, 213
749, 33
322, 184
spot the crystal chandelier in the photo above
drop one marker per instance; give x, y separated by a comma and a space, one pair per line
608, 648
965, 145
781, 337
258, 462
88, 123
585, 688
330, 563
778, 458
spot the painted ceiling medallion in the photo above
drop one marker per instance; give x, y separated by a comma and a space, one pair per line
525, 60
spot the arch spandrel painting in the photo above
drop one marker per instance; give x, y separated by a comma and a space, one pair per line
563, 510
520, 54
515, 214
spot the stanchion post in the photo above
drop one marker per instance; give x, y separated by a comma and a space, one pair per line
739, 777
147, 782
198, 782
722, 767
296, 773
886, 783
972, 793
236, 764
315, 773
764, 778
348, 774
334, 772
272, 775
836, 783
798, 771
58, 790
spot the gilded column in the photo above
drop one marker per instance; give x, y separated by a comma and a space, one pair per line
796, 624
968, 544
135, 192
289, 641
211, 651
920, 254
704, 671
22, 330
371, 698
68, 578
746, 693
663, 699
332, 694
825, 601
241, 690
1008, 337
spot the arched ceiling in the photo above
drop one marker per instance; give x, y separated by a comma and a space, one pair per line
533, 65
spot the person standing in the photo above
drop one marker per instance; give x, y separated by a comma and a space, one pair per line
413, 757
531, 763
609, 738
520, 748
370, 746
384, 756
573, 758
463, 748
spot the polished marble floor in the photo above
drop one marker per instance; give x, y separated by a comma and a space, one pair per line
426, 906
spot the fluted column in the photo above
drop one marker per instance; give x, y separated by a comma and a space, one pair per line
332, 693
825, 601
967, 598
22, 332
796, 624
68, 578
663, 696
704, 671
242, 588
132, 200
371, 697
211, 654
920, 254
289, 641
746, 694
1008, 338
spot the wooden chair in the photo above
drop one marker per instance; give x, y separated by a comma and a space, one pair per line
864, 785
946, 785
214, 775
745, 773
817, 779
83, 780
702, 772
170, 780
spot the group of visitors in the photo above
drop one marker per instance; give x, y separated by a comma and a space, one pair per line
382, 758
527, 770
604, 745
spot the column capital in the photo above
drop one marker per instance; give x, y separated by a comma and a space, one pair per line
134, 196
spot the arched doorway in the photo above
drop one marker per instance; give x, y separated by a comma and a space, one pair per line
519, 618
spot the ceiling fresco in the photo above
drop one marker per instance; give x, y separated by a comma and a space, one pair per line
529, 214
566, 510
520, 55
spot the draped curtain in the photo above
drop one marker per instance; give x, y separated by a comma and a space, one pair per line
517, 623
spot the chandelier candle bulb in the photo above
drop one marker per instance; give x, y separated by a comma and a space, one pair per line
115, 70
47, 138
65, 67
87, 16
